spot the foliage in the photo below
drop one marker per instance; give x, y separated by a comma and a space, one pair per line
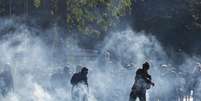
3, 8
95, 16
37, 3
54, 6
195, 9
91, 17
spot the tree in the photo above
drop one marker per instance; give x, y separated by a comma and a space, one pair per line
37, 3
195, 9
54, 7
3, 7
95, 17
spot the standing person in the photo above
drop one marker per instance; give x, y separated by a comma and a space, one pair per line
6, 81
141, 84
197, 82
80, 85
60, 78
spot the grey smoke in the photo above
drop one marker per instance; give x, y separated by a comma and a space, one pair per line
33, 61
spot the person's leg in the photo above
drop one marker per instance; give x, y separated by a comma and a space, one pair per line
132, 96
85, 96
196, 98
142, 97
75, 94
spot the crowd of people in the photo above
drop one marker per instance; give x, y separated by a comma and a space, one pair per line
184, 84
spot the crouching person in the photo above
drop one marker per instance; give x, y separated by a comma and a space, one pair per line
141, 84
80, 85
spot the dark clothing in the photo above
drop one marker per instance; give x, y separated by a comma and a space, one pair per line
143, 74
79, 78
79, 92
134, 95
142, 83
6, 82
196, 83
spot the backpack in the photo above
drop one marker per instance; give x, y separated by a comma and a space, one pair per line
75, 79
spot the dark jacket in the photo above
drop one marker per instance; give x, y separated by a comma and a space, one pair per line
142, 81
79, 78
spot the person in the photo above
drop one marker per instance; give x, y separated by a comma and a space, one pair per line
78, 68
141, 84
60, 79
197, 82
6, 81
79, 83
80, 77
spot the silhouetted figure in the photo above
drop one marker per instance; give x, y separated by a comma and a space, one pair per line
197, 82
188, 85
171, 81
6, 81
182, 85
142, 83
78, 68
80, 85
60, 79
80, 77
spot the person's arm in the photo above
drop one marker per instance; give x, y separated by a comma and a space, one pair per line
147, 78
86, 82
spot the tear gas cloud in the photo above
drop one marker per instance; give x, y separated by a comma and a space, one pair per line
111, 70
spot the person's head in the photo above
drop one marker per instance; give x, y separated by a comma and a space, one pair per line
84, 71
198, 66
66, 69
7, 68
145, 66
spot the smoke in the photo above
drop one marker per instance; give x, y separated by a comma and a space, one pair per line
170, 21
34, 58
